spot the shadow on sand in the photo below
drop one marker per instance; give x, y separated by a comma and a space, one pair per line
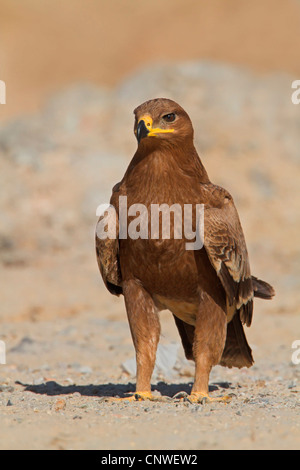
53, 388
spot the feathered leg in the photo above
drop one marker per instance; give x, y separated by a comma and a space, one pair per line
145, 330
209, 341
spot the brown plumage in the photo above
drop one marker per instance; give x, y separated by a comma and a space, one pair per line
210, 290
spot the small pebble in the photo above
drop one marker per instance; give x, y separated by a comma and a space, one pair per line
60, 405
6, 388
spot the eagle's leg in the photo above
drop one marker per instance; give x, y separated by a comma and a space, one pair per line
209, 342
145, 330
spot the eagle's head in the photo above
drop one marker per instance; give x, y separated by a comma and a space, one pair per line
162, 120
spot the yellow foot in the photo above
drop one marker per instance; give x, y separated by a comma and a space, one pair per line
137, 396
142, 396
199, 397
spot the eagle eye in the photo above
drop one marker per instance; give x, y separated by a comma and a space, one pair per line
169, 117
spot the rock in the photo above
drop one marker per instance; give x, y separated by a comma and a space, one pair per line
60, 405
6, 388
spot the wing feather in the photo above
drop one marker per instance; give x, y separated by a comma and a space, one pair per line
226, 248
107, 252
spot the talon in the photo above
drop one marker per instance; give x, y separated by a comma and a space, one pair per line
180, 395
119, 399
203, 399
137, 396
142, 396
132, 397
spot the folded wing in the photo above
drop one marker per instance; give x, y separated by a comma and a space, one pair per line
226, 248
107, 252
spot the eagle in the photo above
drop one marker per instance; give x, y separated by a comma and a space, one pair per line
207, 287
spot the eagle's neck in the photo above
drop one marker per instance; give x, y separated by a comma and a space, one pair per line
167, 165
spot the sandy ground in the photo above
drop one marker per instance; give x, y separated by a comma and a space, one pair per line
59, 375
66, 337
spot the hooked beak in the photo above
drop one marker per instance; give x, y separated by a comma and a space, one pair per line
141, 130
145, 129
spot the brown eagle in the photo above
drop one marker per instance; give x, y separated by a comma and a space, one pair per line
210, 289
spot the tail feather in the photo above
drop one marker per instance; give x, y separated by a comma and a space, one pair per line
262, 289
187, 336
237, 352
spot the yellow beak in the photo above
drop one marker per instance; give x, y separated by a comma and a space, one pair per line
145, 129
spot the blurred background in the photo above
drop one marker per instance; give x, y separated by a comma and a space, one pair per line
74, 72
